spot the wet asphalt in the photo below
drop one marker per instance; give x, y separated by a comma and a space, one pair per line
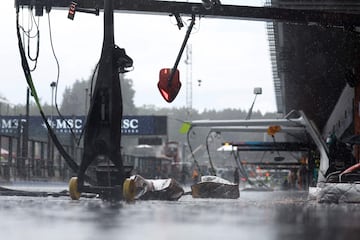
255, 215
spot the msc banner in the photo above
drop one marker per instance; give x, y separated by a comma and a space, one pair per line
131, 125
144, 125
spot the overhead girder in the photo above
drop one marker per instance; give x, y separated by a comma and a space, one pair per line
324, 18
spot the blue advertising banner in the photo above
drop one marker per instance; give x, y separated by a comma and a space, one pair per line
144, 125
131, 125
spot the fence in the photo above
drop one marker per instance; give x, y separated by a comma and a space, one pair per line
35, 160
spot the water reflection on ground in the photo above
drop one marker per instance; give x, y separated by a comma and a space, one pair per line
256, 215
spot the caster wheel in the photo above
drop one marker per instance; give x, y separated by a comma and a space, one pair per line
73, 188
129, 190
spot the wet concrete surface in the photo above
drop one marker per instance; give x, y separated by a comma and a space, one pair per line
255, 215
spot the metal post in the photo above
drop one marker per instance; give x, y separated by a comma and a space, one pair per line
356, 119
257, 91
86, 100
51, 144
25, 134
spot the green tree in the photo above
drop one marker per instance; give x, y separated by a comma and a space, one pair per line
76, 99
128, 94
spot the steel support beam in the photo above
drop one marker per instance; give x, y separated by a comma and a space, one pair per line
324, 18
296, 122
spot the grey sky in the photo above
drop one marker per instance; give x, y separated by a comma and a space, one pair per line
231, 57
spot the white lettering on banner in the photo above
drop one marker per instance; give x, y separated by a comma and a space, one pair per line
130, 126
130, 123
78, 123
9, 123
5, 124
64, 125
60, 124
134, 123
68, 123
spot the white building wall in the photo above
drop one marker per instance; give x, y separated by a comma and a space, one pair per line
342, 115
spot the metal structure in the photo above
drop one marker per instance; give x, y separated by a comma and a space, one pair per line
299, 126
104, 117
324, 18
103, 128
102, 132
257, 91
317, 64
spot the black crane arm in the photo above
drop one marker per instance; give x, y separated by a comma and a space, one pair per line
324, 18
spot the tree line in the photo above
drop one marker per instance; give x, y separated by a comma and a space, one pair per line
76, 101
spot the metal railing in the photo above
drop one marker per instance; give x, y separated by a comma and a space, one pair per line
42, 162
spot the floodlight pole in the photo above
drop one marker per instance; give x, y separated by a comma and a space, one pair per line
257, 91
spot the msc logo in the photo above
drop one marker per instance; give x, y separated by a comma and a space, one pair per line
64, 125
130, 125
11, 125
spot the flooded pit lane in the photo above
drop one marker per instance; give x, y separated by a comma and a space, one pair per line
255, 215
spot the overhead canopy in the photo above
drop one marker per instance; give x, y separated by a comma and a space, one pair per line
312, 64
303, 135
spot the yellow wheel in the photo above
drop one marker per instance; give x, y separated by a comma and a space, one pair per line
129, 190
73, 188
